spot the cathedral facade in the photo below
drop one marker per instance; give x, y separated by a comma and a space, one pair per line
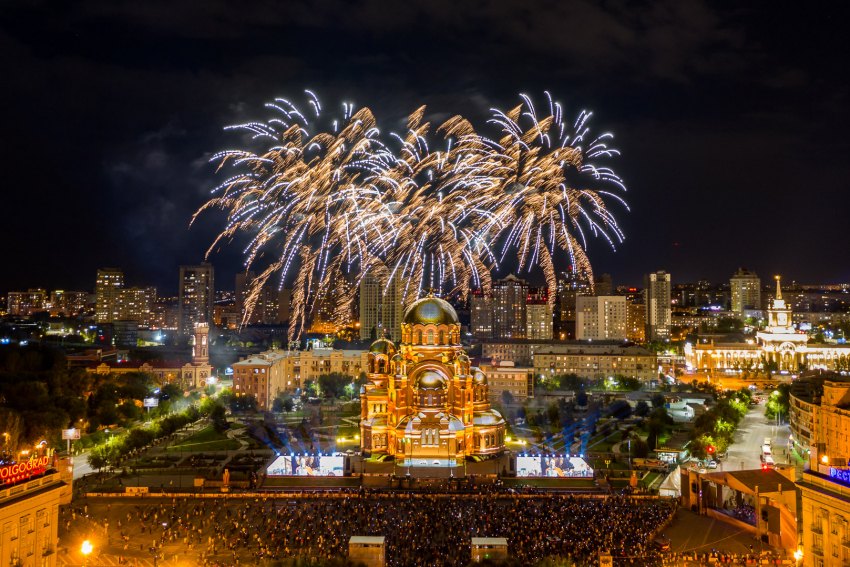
423, 401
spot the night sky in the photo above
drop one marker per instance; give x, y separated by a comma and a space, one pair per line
732, 121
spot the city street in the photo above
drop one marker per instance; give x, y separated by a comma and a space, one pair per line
745, 453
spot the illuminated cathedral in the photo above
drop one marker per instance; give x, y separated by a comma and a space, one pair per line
424, 403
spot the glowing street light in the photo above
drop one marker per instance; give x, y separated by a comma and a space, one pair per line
86, 548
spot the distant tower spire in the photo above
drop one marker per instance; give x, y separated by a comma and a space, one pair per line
778, 289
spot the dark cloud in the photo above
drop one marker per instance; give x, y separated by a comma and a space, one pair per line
731, 120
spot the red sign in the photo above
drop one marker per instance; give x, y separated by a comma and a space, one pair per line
21, 471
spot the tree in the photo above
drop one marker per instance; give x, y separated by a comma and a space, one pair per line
96, 459
507, 397
130, 410
311, 389
639, 448
658, 400
333, 385
12, 426
227, 398
171, 391
219, 418
642, 409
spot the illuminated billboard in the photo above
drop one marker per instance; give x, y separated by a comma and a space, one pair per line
307, 465
553, 466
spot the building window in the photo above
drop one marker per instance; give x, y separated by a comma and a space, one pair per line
430, 337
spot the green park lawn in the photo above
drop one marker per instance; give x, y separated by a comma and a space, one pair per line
207, 439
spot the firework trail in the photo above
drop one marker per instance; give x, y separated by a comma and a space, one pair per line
520, 188
337, 203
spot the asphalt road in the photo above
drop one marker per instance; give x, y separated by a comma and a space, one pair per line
746, 452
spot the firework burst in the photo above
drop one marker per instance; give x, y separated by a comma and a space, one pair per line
337, 203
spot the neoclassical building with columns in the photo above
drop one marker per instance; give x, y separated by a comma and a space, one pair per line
423, 400
779, 342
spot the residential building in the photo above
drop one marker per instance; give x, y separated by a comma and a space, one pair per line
601, 317
510, 297
481, 314
260, 375
136, 304
381, 308
521, 351
196, 294
745, 290
26, 303
270, 305
594, 361
820, 421
656, 297
636, 322
825, 502
164, 316
29, 512
109, 282
69, 303
603, 285
538, 315
125, 333
506, 377
570, 286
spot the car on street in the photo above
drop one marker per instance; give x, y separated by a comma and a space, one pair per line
712, 464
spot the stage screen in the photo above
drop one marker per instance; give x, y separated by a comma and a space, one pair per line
528, 466
553, 466
307, 466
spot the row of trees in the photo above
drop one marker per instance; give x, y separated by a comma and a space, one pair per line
40, 395
716, 427
575, 383
111, 453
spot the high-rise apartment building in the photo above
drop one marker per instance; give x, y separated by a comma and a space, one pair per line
481, 314
164, 316
25, 303
570, 286
271, 306
745, 290
656, 298
510, 296
381, 309
538, 314
243, 285
601, 317
196, 294
69, 303
636, 322
137, 304
603, 285
110, 281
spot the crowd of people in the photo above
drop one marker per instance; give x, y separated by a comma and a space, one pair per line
430, 530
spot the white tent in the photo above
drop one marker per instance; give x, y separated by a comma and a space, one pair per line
672, 485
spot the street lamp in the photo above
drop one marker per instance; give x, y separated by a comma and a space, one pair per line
86, 549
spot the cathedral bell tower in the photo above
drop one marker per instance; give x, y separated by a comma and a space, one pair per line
201, 350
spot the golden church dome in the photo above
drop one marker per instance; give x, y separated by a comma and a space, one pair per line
431, 311
430, 381
383, 346
479, 377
